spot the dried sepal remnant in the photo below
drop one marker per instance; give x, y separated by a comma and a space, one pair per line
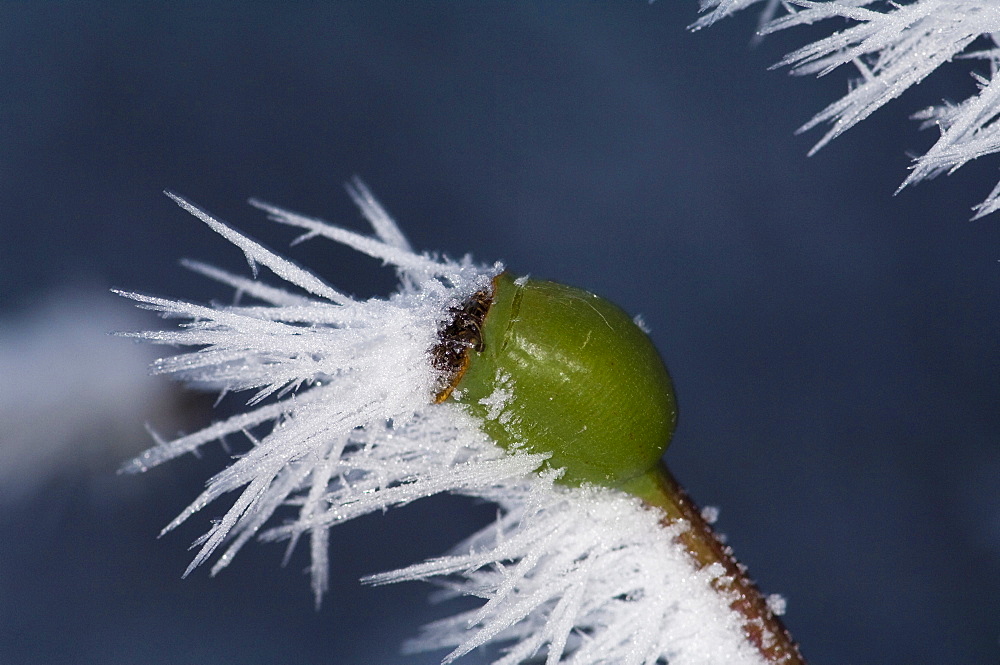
460, 333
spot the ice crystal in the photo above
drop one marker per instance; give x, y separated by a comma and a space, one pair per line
582, 575
894, 46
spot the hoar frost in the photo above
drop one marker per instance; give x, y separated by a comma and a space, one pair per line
894, 46
341, 422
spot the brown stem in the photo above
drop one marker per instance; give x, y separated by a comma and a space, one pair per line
762, 628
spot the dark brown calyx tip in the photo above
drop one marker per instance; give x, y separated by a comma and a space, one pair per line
459, 333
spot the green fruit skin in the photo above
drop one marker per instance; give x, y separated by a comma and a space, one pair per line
582, 382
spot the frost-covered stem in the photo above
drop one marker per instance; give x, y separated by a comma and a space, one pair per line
762, 627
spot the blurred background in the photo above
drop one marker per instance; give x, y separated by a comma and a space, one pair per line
834, 347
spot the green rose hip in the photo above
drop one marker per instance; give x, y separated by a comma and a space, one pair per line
554, 369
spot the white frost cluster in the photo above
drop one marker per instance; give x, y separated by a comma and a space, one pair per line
894, 46
341, 423
582, 575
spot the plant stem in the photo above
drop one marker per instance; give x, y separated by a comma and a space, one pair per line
760, 625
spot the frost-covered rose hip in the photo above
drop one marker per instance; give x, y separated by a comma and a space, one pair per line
557, 370
465, 380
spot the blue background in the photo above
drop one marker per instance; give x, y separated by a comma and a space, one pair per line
834, 347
